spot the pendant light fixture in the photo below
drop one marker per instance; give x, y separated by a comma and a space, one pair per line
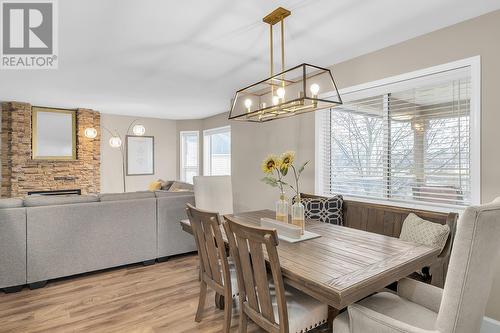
300, 89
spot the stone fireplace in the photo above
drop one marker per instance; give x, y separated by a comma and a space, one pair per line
21, 174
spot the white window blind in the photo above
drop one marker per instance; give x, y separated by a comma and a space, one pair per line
189, 155
408, 141
217, 151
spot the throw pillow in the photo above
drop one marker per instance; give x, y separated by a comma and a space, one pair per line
418, 230
165, 186
155, 186
324, 209
180, 187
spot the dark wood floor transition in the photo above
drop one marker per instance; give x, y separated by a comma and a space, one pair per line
159, 298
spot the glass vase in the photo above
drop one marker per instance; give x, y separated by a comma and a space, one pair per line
282, 209
298, 214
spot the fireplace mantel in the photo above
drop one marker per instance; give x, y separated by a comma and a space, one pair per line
21, 174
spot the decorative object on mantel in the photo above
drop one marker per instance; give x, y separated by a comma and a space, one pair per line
53, 134
290, 92
280, 166
273, 165
116, 142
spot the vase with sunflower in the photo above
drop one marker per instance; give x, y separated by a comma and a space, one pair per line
272, 166
298, 209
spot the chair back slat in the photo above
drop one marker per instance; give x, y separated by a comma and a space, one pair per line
211, 248
261, 279
248, 246
246, 269
213, 257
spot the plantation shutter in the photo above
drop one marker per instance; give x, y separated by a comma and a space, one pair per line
407, 142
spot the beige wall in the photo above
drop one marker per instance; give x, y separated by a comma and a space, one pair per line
164, 132
252, 142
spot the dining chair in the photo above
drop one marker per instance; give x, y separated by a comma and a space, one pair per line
422, 308
215, 269
214, 193
264, 299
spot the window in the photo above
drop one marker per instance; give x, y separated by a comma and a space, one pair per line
217, 151
413, 139
189, 155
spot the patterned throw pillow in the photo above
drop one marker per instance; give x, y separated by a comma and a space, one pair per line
327, 210
418, 230
180, 187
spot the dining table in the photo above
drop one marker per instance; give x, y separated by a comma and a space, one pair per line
343, 265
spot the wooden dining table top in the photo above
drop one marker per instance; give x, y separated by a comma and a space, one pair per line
344, 265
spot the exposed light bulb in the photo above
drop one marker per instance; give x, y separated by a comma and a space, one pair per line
91, 133
248, 103
276, 100
280, 92
139, 130
115, 142
314, 89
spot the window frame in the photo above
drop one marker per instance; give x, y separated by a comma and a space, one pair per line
182, 155
474, 63
207, 153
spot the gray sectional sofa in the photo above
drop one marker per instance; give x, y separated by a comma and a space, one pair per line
48, 237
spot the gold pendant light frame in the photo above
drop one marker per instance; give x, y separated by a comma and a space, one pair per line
272, 95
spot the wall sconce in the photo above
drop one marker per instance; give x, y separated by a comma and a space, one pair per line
90, 133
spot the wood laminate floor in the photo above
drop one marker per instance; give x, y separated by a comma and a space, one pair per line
158, 298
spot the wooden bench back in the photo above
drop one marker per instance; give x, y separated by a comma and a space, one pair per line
246, 245
388, 220
214, 266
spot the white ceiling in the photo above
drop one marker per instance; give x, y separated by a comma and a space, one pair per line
185, 59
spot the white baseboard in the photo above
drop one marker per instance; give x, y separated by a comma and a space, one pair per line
490, 326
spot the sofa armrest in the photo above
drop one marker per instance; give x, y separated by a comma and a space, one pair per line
423, 294
364, 320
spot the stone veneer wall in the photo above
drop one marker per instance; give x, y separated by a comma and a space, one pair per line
21, 174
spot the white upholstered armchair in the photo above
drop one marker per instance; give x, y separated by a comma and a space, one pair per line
214, 193
422, 308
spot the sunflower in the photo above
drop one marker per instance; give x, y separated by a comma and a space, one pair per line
270, 163
287, 159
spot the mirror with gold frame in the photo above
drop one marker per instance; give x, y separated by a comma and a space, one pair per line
53, 134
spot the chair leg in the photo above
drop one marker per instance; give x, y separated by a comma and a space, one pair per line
243, 322
228, 311
201, 301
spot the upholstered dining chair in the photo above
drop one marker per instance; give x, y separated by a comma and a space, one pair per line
214, 193
422, 308
215, 269
264, 299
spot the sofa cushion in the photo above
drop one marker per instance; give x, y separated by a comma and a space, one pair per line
324, 209
418, 230
126, 196
181, 187
51, 200
394, 307
167, 194
11, 203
